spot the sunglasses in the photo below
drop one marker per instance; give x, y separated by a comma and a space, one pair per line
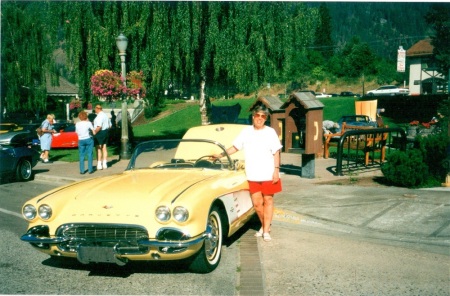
257, 115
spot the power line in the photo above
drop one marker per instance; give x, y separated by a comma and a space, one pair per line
368, 42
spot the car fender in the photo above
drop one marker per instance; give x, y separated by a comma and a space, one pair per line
237, 204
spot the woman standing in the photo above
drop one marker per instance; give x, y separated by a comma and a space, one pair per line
261, 148
84, 130
46, 138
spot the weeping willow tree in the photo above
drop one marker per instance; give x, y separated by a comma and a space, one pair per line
26, 55
242, 45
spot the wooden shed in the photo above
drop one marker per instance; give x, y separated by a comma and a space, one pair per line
303, 123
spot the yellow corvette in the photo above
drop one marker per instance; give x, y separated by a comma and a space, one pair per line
174, 201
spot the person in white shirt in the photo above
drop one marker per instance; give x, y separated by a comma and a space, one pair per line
261, 148
101, 128
85, 130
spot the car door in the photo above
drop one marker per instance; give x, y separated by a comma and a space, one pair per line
7, 159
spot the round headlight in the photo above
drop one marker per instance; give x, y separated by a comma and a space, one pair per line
45, 212
29, 212
162, 214
180, 214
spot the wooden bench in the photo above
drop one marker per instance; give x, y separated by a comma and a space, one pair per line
367, 143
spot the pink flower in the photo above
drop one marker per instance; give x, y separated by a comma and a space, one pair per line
105, 83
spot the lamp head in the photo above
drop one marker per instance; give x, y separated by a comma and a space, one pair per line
122, 42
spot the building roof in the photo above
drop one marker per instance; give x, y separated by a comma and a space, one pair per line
65, 88
272, 103
421, 48
306, 99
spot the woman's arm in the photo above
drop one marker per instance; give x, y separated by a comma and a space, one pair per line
230, 151
276, 163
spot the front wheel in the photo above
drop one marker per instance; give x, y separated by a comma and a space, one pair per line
207, 259
23, 170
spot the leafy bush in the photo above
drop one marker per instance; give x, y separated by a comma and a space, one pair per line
434, 151
151, 111
419, 167
406, 168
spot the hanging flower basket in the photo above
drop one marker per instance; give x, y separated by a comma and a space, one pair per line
136, 85
74, 104
107, 85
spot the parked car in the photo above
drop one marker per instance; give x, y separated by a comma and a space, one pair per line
65, 136
357, 120
322, 95
17, 158
173, 202
18, 138
307, 91
349, 94
388, 90
9, 127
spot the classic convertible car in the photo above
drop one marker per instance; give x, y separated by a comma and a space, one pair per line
174, 201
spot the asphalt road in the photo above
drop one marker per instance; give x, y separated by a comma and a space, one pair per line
304, 258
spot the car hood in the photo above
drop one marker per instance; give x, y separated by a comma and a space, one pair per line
125, 198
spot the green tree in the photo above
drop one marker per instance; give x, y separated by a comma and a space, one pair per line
230, 44
354, 60
323, 41
26, 65
439, 18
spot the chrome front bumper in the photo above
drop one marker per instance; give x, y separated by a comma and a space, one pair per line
125, 239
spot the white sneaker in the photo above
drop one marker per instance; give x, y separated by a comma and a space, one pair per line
266, 237
99, 166
105, 166
259, 233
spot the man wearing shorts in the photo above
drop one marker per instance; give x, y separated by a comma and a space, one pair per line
101, 127
262, 166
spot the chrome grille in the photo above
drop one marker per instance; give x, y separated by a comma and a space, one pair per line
123, 237
104, 232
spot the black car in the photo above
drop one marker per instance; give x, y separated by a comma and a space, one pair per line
349, 94
17, 157
356, 120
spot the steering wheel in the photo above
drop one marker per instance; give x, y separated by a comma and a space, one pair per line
201, 162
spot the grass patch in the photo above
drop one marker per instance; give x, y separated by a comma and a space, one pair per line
176, 124
337, 106
71, 155
172, 126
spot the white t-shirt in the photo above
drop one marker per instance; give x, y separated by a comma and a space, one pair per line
259, 148
82, 129
102, 120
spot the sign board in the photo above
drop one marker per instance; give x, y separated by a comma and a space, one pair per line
401, 59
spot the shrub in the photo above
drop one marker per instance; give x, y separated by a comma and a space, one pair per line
434, 151
406, 168
151, 111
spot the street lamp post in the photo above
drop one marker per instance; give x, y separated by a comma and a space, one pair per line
122, 43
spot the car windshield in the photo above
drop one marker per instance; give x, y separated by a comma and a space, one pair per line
179, 154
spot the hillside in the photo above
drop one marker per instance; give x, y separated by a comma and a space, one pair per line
383, 25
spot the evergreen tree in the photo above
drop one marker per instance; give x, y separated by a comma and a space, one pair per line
323, 41
439, 18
